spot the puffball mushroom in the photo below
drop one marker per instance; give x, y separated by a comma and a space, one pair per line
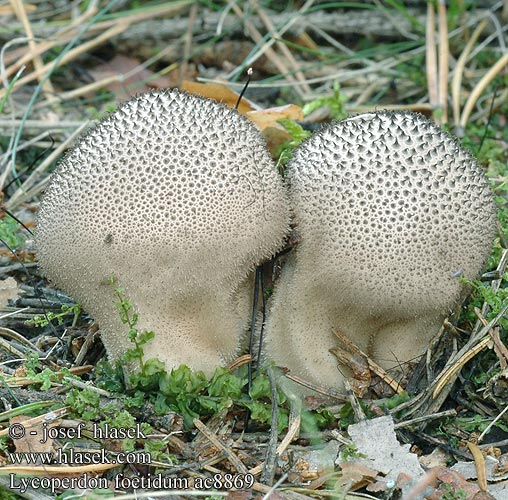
390, 212
176, 197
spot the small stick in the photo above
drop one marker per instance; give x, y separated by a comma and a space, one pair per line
230, 456
425, 418
270, 465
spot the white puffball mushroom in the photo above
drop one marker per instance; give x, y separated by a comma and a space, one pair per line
390, 211
177, 197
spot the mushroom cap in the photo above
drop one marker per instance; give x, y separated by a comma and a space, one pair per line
392, 210
173, 194
389, 212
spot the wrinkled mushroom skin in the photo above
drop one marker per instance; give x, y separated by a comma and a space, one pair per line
178, 198
389, 211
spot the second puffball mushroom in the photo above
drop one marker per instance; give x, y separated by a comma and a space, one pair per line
391, 212
177, 197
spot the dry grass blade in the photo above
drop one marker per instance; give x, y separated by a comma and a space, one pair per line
444, 55
270, 53
282, 47
71, 55
19, 8
459, 71
468, 352
431, 56
62, 36
20, 194
479, 88
479, 462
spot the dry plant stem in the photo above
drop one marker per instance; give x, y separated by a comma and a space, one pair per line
86, 345
431, 57
317, 388
270, 465
8, 347
71, 55
187, 44
230, 456
20, 195
487, 429
166, 9
459, 70
46, 417
479, 462
479, 88
468, 352
373, 366
63, 36
38, 124
355, 404
270, 53
282, 46
89, 387
19, 8
306, 6
291, 434
73, 94
11, 334
444, 54
425, 418
499, 348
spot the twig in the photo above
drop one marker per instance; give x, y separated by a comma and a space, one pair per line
425, 418
270, 464
230, 456
487, 429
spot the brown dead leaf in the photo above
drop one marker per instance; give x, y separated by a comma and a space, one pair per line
35, 439
219, 92
438, 458
377, 487
269, 117
239, 495
456, 481
355, 476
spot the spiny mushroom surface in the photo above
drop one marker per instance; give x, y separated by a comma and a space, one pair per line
390, 212
177, 197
